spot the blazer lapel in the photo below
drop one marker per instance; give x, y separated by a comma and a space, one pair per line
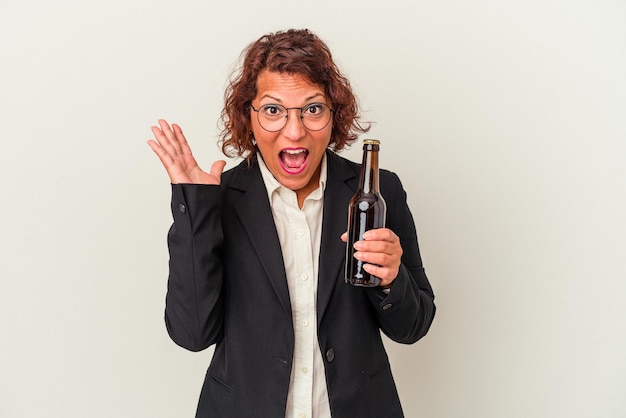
254, 211
340, 187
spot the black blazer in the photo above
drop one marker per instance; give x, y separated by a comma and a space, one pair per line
227, 286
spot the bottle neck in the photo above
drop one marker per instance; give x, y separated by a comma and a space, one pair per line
369, 169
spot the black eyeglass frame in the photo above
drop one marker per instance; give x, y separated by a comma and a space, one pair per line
287, 109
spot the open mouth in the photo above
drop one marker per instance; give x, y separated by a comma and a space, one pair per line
293, 161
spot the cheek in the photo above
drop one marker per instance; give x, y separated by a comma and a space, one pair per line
254, 127
325, 138
258, 133
264, 142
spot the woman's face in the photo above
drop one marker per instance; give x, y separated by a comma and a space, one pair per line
294, 153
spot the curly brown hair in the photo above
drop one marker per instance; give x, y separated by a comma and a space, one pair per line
295, 51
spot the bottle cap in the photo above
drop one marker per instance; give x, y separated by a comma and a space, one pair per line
371, 142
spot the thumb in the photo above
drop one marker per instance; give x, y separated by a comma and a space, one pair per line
217, 167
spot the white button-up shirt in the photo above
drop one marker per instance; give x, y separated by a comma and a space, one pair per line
299, 232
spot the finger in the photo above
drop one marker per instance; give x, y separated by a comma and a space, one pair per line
181, 140
385, 275
344, 237
384, 247
160, 152
169, 134
165, 158
217, 168
381, 234
379, 253
163, 140
380, 259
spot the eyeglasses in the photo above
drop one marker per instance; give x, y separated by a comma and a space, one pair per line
273, 117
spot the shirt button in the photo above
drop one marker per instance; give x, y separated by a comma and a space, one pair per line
305, 370
300, 233
304, 277
305, 323
302, 415
182, 208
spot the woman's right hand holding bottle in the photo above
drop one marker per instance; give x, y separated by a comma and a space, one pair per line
170, 145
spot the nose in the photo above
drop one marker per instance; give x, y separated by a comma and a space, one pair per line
294, 129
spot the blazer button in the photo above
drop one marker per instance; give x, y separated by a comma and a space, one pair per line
330, 355
387, 306
182, 208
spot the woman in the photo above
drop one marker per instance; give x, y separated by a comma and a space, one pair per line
257, 252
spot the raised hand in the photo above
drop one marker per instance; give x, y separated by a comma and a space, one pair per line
381, 250
170, 145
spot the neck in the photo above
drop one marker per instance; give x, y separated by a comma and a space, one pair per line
313, 184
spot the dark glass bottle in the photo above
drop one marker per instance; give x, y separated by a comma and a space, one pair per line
366, 211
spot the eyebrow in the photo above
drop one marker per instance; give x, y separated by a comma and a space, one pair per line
268, 96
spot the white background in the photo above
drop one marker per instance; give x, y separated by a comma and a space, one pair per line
505, 120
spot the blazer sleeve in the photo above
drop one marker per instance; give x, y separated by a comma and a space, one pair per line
407, 311
193, 306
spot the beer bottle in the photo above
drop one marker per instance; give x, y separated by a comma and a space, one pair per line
366, 211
